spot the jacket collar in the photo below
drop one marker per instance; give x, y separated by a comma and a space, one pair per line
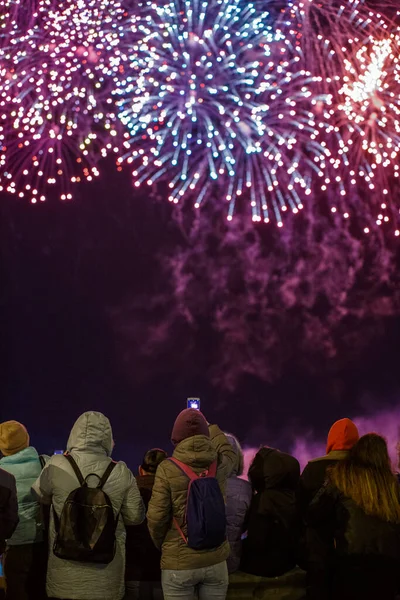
333, 455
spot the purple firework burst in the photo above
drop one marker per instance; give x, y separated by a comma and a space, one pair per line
57, 115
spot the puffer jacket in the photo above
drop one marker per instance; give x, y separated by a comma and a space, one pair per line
26, 468
238, 499
170, 494
352, 555
90, 444
8, 507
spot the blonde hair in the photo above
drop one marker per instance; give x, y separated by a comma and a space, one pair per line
366, 478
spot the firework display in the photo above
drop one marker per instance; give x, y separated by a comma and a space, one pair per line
197, 113
56, 112
368, 115
268, 104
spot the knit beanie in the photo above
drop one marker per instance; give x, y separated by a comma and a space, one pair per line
188, 423
13, 438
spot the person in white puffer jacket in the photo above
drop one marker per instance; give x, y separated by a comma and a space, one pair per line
90, 444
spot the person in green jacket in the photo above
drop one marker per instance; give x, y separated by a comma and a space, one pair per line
25, 558
185, 571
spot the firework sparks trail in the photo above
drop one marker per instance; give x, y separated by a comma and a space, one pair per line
57, 116
266, 104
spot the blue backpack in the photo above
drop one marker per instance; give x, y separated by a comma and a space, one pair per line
205, 516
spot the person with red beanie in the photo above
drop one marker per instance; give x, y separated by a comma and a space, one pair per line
186, 571
342, 436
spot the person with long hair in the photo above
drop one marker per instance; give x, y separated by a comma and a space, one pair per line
355, 549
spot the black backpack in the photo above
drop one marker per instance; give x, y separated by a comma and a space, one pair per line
86, 530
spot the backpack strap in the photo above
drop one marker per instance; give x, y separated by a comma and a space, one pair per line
177, 526
184, 468
211, 472
76, 469
192, 476
42, 461
107, 474
212, 469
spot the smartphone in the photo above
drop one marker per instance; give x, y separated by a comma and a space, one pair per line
193, 403
58, 451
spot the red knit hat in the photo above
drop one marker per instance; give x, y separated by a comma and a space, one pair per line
188, 423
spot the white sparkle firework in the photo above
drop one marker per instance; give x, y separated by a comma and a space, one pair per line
195, 101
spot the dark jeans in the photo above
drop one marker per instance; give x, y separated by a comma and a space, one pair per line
25, 571
143, 590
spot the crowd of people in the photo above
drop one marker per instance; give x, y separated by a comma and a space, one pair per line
79, 526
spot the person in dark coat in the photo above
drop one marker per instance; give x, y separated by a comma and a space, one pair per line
8, 512
341, 438
143, 572
8, 507
356, 555
238, 498
273, 523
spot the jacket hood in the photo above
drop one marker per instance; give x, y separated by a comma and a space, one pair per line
196, 451
239, 459
275, 477
272, 469
342, 435
92, 433
23, 456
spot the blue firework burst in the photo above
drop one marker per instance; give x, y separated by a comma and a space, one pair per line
194, 102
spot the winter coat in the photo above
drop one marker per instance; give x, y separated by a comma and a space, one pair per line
352, 555
8, 507
90, 444
170, 494
341, 438
142, 557
238, 498
270, 548
26, 468
314, 477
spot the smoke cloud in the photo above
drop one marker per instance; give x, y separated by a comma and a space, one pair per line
238, 301
305, 448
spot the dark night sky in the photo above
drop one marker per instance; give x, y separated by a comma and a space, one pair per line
63, 267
